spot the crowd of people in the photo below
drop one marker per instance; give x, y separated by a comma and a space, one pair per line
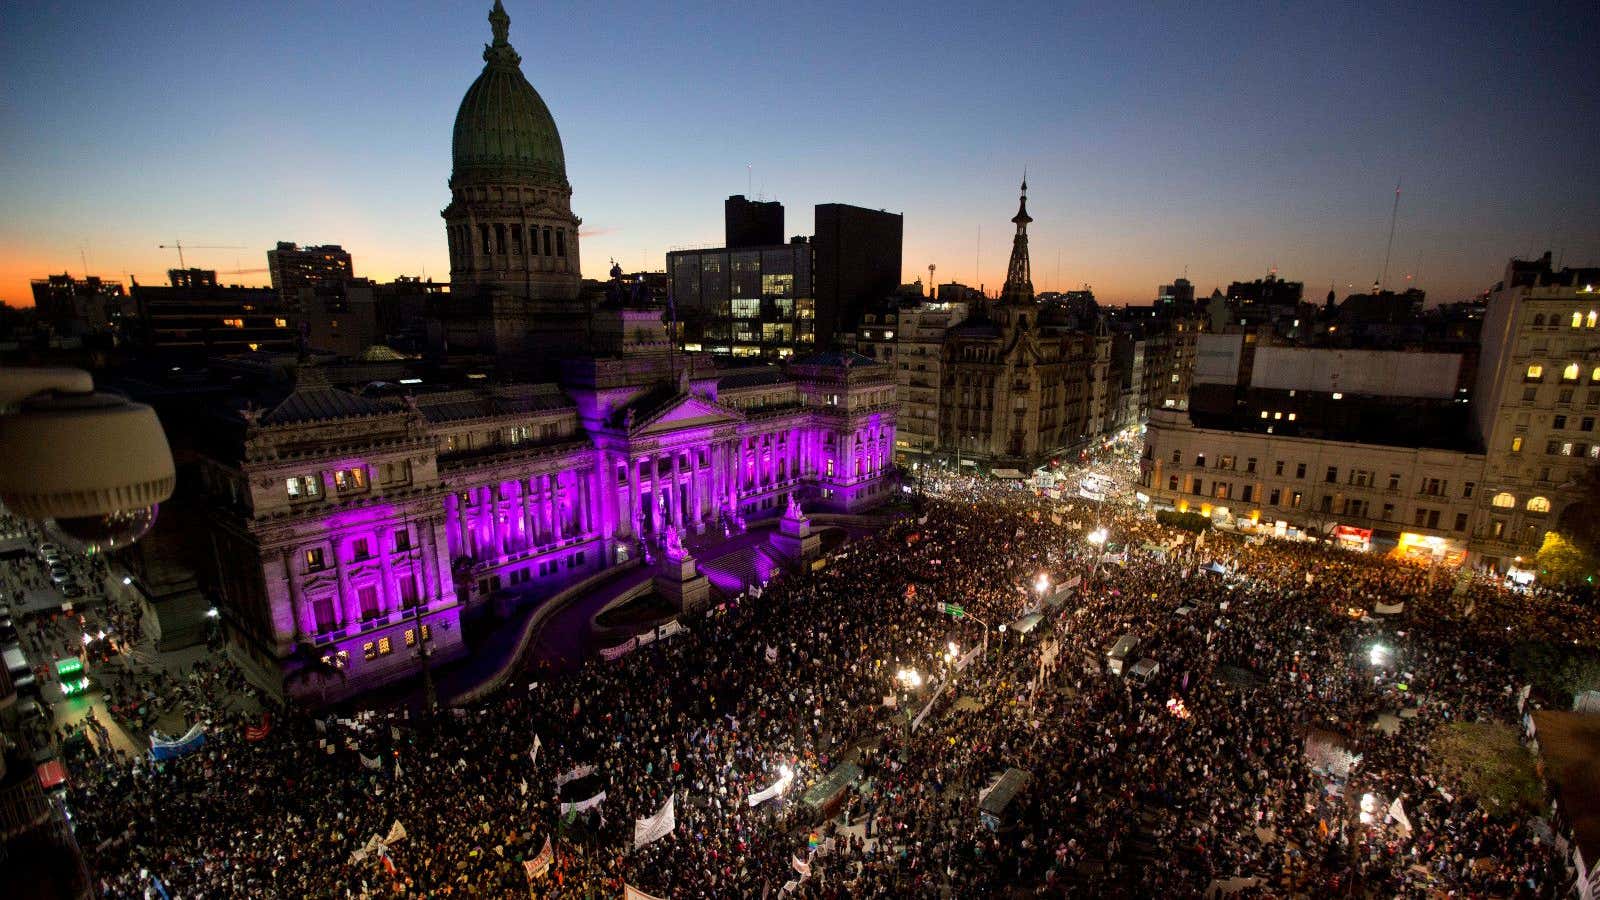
1193, 777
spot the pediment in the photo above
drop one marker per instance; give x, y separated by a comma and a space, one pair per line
685, 412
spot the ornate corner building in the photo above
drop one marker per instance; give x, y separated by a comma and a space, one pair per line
351, 533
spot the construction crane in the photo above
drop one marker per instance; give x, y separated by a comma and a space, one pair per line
178, 246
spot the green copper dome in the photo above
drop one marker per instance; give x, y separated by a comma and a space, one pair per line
503, 129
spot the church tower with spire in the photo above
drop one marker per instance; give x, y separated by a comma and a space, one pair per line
1019, 278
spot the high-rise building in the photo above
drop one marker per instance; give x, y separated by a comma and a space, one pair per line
858, 256
293, 267
1179, 294
753, 302
751, 223
77, 305
192, 278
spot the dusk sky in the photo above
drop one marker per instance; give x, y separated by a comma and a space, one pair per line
1227, 140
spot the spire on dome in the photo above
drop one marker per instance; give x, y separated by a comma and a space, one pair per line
501, 50
1019, 278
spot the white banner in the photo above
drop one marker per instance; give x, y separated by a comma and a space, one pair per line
629, 892
371, 762
540, 864
1072, 582
1389, 609
612, 654
777, 788
800, 865
668, 629
657, 826
584, 805
575, 774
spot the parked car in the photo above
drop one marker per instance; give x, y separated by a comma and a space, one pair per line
59, 574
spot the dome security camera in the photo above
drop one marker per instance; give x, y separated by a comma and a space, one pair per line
95, 464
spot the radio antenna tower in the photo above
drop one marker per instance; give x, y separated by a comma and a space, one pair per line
1394, 216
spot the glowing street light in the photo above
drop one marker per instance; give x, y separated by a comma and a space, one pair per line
1042, 584
1098, 537
909, 678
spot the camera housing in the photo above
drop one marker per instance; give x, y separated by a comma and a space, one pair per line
96, 466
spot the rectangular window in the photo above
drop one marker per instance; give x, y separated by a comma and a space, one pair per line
322, 612
1248, 493
1461, 522
1277, 468
1558, 422
1250, 465
350, 479
1587, 424
1421, 517
1433, 518
427, 633
1226, 462
1172, 482
1388, 511
1295, 499
314, 560
369, 650
402, 540
367, 596
303, 487
1516, 444
1274, 497
384, 647
411, 637
1332, 476
1394, 481
1300, 470
406, 587
1175, 456
1466, 491
360, 549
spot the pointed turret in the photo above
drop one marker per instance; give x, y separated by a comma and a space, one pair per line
1019, 278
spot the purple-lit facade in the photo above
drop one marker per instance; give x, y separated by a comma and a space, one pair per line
346, 524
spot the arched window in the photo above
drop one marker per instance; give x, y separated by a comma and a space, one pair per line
1538, 505
1577, 319
1570, 373
1538, 321
1592, 319
1504, 500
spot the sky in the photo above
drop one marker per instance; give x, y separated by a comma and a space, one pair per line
1222, 141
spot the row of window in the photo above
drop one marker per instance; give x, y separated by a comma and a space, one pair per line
1434, 487
502, 239
325, 610
1223, 490
360, 548
1570, 373
383, 646
1576, 320
345, 481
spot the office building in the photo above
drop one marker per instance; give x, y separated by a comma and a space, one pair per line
749, 303
858, 255
751, 223
205, 319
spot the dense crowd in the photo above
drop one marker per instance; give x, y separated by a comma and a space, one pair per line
1195, 777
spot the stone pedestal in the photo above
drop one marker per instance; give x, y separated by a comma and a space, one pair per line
679, 582
794, 538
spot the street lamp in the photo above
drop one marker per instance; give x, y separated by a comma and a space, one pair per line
1042, 584
1098, 536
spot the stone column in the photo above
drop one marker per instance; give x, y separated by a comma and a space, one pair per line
452, 517
655, 494
295, 599
430, 562
633, 496
522, 513
674, 505
696, 510
349, 604
556, 515
386, 593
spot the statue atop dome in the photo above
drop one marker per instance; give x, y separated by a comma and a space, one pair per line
500, 51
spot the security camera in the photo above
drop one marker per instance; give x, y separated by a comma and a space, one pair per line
92, 466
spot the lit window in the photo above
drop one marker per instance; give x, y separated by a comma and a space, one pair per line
280, 323
1538, 505
1277, 415
233, 323
253, 346
303, 486
1577, 319
350, 479
1504, 500
1263, 414
1535, 372
411, 637
1592, 319
1570, 373
384, 647
1338, 396
1516, 444
369, 650
1595, 375
1291, 417
427, 633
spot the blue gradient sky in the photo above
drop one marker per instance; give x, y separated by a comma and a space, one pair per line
1224, 139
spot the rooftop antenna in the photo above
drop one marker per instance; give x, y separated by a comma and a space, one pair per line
977, 253
930, 280
749, 179
84, 257
1394, 215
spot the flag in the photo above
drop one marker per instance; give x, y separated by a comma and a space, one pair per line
533, 755
657, 826
540, 864
397, 772
1398, 813
371, 762
800, 865
388, 864
254, 733
397, 833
